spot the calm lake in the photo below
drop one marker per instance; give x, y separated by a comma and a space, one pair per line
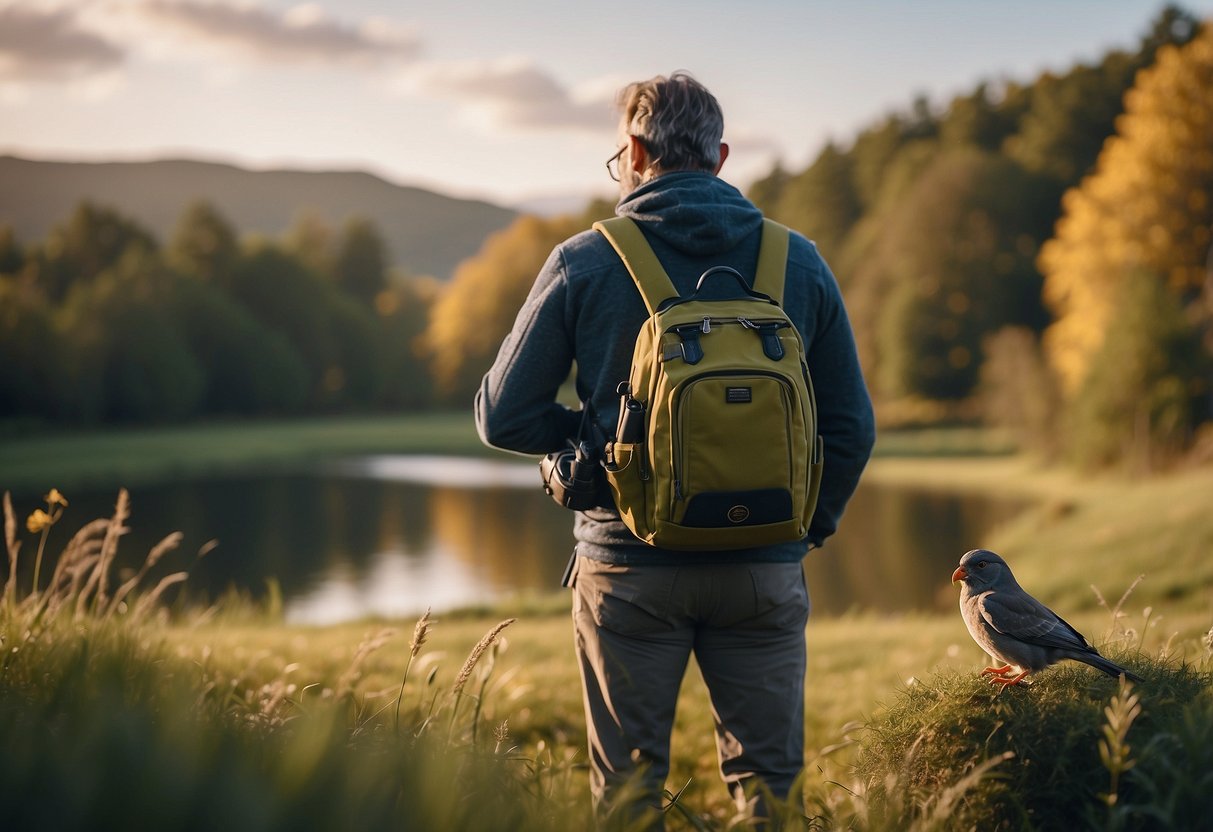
393, 535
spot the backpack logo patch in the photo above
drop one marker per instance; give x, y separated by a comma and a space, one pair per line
738, 395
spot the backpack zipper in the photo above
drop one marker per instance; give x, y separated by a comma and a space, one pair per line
689, 333
707, 323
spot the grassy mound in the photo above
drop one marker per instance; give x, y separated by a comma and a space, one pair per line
1075, 750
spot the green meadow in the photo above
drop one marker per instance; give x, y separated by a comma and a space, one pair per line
120, 710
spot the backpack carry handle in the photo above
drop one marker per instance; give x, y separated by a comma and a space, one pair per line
733, 273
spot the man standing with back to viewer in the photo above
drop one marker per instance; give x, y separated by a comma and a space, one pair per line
640, 612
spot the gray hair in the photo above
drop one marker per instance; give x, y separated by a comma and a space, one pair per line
678, 120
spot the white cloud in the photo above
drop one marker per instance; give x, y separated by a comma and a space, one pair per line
46, 43
518, 93
303, 34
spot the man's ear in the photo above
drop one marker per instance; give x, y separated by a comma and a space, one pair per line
638, 155
724, 154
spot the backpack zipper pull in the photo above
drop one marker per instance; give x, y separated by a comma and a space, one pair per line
706, 327
688, 335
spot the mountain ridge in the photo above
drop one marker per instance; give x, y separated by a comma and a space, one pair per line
426, 232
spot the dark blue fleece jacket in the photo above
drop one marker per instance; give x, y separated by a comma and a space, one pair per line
584, 308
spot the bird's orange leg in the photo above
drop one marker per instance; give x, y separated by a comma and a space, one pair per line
996, 671
1009, 680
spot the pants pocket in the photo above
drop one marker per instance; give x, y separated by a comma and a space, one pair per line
629, 600
781, 597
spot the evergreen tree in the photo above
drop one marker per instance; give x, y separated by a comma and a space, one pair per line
767, 191
357, 357
311, 240
984, 119
876, 148
404, 310
330, 333
93, 239
1019, 392
205, 244
248, 368
1071, 115
1146, 390
31, 370
12, 257
822, 202
129, 361
954, 264
287, 298
361, 262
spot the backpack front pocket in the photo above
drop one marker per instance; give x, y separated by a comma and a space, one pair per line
739, 469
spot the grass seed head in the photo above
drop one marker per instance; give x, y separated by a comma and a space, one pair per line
420, 633
484, 644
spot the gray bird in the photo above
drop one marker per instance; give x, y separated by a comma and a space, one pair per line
1020, 633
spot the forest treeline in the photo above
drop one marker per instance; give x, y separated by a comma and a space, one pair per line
1036, 255
99, 322
1030, 255
1033, 256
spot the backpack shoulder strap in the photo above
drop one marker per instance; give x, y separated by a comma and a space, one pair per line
772, 260
650, 276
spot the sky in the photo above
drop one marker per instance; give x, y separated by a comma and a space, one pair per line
506, 100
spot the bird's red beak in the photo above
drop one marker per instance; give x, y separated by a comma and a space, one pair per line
959, 575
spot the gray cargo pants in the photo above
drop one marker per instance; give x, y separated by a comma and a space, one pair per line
637, 626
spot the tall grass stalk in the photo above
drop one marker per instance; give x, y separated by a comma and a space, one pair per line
81, 577
13, 547
465, 673
158, 551
421, 632
1117, 613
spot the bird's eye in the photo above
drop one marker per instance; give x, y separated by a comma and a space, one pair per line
981, 564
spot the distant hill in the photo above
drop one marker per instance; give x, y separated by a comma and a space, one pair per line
426, 233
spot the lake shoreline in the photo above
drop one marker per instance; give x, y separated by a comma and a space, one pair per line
128, 456
1154, 526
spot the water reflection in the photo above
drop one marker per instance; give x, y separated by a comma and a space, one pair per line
896, 548
393, 535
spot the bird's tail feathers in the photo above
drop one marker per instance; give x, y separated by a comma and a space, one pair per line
1108, 666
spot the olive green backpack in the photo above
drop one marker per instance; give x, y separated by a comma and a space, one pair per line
716, 446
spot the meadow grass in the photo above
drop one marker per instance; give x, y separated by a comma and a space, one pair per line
109, 722
227, 716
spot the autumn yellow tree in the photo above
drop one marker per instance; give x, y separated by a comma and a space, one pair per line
1146, 210
476, 310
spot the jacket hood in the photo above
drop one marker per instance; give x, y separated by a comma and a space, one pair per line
694, 212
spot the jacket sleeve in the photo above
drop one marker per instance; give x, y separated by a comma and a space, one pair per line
844, 409
516, 408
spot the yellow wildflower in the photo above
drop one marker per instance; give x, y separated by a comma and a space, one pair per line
38, 521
